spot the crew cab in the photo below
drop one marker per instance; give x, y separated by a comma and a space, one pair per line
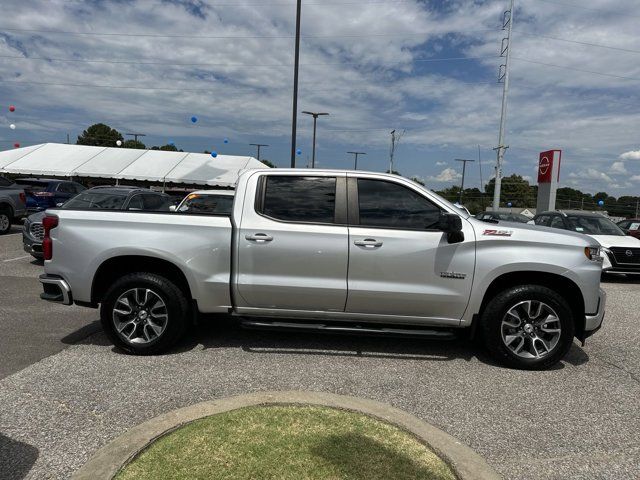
329, 251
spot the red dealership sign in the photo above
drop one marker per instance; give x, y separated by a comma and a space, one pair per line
546, 164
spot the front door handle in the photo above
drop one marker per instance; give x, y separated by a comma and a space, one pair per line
368, 243
259, 237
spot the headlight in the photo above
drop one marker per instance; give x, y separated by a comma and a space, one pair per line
593, 253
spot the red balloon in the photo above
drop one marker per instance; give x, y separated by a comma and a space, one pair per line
12, 108
16, 145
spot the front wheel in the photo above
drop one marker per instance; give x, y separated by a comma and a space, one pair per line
5, 220
528, 327
144, 313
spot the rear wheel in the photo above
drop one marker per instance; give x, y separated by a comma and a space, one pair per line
144, 313
5, 219
528, 326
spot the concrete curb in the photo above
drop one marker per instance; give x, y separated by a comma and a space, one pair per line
107, 461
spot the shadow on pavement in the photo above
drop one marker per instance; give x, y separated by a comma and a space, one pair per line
82, 333
16, 458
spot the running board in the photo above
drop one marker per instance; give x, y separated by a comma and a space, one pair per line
355, 329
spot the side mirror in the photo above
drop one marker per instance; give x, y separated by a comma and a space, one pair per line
450, 223
172, 208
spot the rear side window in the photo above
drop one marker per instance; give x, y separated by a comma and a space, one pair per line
155, 203
557, 222
300, 199
66, 188
95, 200
389, 205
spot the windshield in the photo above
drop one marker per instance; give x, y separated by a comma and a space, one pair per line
91, 200
206, 204
594, 226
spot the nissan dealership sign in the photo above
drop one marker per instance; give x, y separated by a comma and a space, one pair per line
548, 177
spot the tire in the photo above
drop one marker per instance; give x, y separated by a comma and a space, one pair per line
165, 308
509, 318
6, 215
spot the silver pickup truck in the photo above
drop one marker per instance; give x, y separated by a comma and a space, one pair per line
335, 251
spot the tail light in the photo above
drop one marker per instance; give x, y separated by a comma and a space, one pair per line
23, 198
49, 222
42, 194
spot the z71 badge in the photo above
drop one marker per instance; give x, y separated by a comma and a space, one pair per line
498, 233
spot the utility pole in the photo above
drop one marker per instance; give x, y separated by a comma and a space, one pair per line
294, 116
315, 119
464, 169
355, 165
259, 145
395, 140
135, 136
637, 206
481, 184
505, 48
67, 139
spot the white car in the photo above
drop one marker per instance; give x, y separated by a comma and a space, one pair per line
207, 202
620, 252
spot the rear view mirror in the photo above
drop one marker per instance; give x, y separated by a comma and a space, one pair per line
450, 223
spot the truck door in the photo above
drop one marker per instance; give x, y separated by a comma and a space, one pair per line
399, 262
293, 243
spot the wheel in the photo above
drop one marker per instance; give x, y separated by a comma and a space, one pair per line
529, 327
144, 313
5, 220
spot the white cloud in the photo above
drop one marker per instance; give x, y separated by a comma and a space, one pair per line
631, 155
591, 174
636, 178
618, 167
446, 175
441, 164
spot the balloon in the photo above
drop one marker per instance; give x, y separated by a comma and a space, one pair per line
119, 142
12, 108
299, 152
509, 204
194, 119
17, 145
601, 202
214, 154
12, 126
172, 143
226, 140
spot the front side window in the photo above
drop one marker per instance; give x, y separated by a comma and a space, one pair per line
390, 205
155, 203
557, 222
300, 199
543, 220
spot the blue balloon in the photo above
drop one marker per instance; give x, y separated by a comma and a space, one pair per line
601, 202
171, 142
299, 152
214, 154
194, 119
226, 140
509, 204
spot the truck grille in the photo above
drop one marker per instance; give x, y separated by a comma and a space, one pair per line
37, 231
626, 255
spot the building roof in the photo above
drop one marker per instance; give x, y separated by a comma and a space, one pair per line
63, 160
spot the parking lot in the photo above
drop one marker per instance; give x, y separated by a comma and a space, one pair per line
65, 391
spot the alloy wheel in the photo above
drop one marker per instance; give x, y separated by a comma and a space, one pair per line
531, 329
140, 316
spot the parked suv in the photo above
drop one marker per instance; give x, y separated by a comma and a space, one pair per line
630, 226
620, 252
43, 193
492, 216
96, 198
12, 204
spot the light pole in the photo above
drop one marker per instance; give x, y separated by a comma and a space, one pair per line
355, 165
296, 65
259, 145
135, 136
315, 119
464, 169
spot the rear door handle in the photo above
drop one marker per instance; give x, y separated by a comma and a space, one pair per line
259, 237
368, 242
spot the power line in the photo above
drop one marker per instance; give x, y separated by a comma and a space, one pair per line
599, 10
576, 69
589, 44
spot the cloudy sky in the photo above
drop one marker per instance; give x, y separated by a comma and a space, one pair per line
426, 67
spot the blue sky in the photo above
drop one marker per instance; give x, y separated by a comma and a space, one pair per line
427, 67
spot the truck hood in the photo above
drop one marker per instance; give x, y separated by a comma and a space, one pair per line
609, 241
531, 233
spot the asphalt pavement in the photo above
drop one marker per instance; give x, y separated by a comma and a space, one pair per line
577, 421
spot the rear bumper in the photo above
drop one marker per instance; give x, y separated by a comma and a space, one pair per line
55, 290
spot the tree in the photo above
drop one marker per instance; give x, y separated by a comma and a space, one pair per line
268, 163
168, 148
99, 135
134, 144
514, 189
418, 180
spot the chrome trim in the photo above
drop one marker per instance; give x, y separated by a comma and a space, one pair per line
61, 284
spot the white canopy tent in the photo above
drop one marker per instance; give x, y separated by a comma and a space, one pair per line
62, 160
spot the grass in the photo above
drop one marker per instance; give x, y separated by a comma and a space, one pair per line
287, 442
